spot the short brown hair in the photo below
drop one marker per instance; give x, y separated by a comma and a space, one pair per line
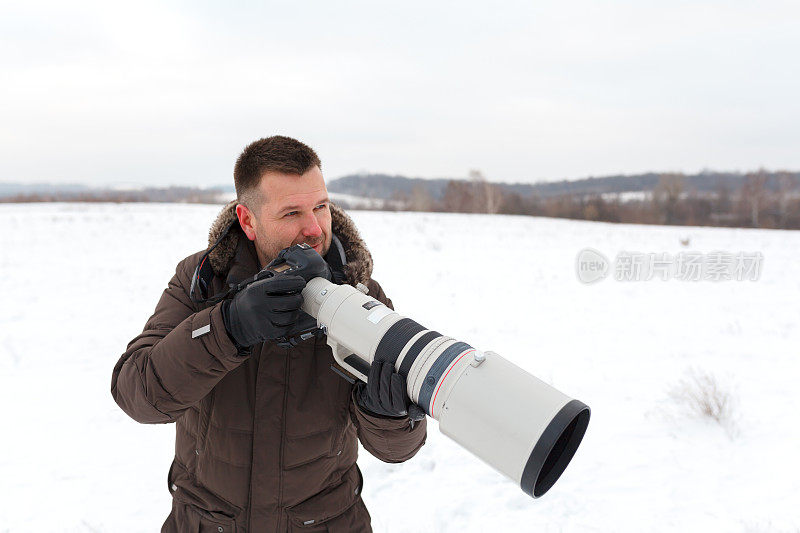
277, 154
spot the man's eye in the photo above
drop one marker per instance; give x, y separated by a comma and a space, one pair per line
321, 206
290, 213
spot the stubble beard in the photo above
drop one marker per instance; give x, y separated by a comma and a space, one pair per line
267, 252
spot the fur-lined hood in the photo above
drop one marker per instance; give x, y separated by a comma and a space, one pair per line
359, 261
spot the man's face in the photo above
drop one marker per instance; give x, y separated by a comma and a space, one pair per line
292, 210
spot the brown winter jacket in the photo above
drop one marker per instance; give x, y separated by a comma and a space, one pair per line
265, 442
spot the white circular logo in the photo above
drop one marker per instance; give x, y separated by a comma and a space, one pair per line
591, 266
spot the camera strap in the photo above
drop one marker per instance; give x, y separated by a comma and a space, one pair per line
204, 273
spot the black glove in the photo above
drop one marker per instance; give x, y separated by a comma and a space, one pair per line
264, 310
385, 393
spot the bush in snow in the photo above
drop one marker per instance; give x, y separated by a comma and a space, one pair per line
705, 397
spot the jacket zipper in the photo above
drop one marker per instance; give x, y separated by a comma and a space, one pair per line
283, 437
253, 445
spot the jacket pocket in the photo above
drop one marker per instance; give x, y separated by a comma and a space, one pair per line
187, 518
203, 420
323, 510
337, 445
299, 451
343, 422
201, 436
212, 522
196, 508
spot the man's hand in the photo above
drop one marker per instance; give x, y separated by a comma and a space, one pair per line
385, 393
264, 310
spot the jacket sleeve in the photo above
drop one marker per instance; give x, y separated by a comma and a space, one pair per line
392, 440
164, 370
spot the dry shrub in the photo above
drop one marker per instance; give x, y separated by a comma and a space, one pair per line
757, 527
705, 397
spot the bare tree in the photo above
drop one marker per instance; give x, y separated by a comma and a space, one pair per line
786, 185
458, 197
487, 196
420, 199
753, 194
666, 196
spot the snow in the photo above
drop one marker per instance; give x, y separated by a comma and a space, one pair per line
627, 196
78, 282
360, 202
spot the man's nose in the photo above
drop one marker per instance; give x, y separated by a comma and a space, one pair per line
311, 227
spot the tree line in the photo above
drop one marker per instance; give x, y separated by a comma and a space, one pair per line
761, 199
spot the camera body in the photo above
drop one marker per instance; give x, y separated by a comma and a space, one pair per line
298, 260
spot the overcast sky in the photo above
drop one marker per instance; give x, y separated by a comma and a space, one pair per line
170, 92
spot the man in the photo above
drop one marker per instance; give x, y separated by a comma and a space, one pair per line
265, 434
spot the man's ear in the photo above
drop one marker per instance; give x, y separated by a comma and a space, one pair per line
247, 221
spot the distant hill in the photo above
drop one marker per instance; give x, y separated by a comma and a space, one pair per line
387, 187
15, 189
384, 186
45, 192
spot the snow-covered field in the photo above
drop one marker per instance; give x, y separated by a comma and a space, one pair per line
77, 282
